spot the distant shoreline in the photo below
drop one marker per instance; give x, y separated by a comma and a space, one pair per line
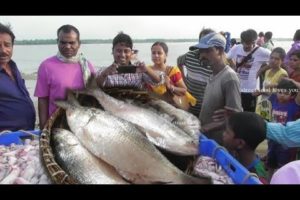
109, 41
32, 76
96, 41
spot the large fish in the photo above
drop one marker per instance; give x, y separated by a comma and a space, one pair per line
120, 144
184, 120
157, 129
80, 163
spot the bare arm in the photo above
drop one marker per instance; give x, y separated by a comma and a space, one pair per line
152, 74
180, 64
178, 89
213, 126
43, 105
231, 63
181, 61
263, 68
112, 69
219, 120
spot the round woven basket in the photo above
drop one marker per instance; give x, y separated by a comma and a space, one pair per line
58, 120
57, 174
139, 95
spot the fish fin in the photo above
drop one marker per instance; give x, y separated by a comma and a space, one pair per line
154, 138
71, 101
140, 178
92, 82
90, 86
71, 98
132, 177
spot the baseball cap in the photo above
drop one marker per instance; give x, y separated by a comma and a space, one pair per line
210, 40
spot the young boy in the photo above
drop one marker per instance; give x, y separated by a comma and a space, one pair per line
284, 109
123, 53
244, 132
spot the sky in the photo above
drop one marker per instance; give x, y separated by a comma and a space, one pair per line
144, 27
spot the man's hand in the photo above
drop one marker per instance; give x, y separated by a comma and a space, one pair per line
112, 69
219, 115
222, 114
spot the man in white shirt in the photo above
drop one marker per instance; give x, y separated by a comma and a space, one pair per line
247, 58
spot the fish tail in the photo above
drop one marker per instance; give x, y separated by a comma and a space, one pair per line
71, 101
92, 82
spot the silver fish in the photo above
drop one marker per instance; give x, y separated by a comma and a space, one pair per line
184, 120
123, 146
80, 163
86, 73
157, 129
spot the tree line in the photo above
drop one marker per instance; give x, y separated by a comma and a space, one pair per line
96, 41
105, 41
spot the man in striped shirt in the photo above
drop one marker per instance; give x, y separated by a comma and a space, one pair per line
197, 74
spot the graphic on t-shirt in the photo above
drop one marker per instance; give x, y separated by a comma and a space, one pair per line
279, 116
244, 70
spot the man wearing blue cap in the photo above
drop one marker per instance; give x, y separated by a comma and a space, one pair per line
223, 88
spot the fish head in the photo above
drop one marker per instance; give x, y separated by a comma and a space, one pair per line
78, 117
63, 138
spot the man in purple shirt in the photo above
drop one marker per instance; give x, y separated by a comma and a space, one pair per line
16, 107
66, 70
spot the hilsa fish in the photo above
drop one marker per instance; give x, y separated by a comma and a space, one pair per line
157, 129
82, 165
120, 144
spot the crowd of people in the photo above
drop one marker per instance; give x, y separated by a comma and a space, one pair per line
243, 93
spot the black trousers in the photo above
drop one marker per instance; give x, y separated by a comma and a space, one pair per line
248, 102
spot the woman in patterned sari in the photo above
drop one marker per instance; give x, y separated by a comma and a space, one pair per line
174, 90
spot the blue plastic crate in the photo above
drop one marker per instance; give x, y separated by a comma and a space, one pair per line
237, 172
16, 137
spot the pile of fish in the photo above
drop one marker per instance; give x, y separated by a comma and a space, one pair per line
119, 144
21, 164
80, 163
205, 165
155, 127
